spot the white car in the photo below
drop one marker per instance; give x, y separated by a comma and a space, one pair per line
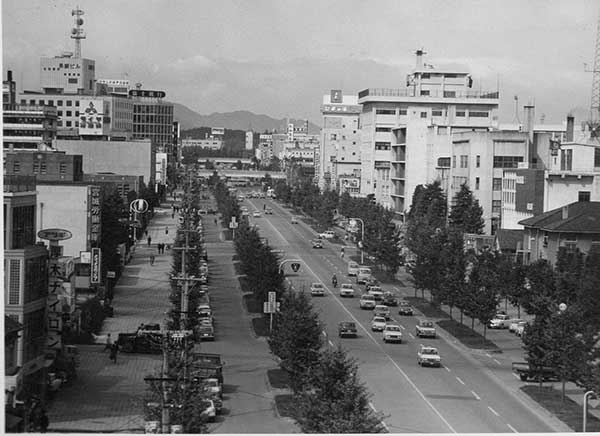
378, 323
329, 234
429, 356
392, 333
317, 289
500, 321
367, 302
347, 290
512, 327
363, 274
352, 268
209, 411
213, 386
521, 328
256, 214
376, 292
382, 310
425, 328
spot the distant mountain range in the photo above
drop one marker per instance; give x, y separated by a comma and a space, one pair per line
238, 120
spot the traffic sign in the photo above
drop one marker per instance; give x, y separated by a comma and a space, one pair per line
295, 266
593, 402
138, 206
272, 297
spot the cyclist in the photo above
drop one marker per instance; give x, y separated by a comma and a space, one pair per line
334, 281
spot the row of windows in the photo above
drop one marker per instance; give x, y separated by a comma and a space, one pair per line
383, 129
435, 112
507, 161
51, 102
152, 109
382, 145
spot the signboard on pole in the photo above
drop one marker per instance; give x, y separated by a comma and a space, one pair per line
272, 297
96, 272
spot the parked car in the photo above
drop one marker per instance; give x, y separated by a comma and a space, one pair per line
378, 323
382, 310
268, 211
294, 220
317, 289
426, 329
317, 243
367, 302
328, 234
209, 411
213, 386
389, 299
405, 309
520, 329
347, 329
527, 372
141, 342
205, 333
512, 327
429, 356
392, 333
500, 321
347, 290
363, 274
352, 268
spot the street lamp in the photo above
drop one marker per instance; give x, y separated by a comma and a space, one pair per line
362, 235
585, 406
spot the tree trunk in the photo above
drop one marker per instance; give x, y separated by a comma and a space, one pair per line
450, 312
461, 316
564, 382
518, 311
484, 332
473, 324
506, 305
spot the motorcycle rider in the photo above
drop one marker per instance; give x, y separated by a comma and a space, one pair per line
334, 281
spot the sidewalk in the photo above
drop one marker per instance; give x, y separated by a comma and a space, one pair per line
107, 397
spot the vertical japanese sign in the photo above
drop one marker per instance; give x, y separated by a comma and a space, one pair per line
96, 271
95, 215
56, 278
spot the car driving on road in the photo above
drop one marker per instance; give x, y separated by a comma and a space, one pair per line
512, 327
389, 299
317, 289
382, 310
352, 268
429, 356
317, 243
392, 333
347, 290
294, 220
405, 309
347, 328
425, 329
376, 292
378, 323
367, 302
328, 234
362, 275
500, 321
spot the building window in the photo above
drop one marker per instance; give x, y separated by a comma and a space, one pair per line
36, 167
383, 129
443, 162
69, 123
497, 184
385, 111
333, 137
77, 103
464, 161
59, 102
382, 145
60, 113
460, 113
43, 167
584, 196
72, 81
597, 157
41, 102
476, 183
436, 113
453, 161
16, 166
566, 160
69, 113
62, 168
496, 206
14, 279
424, 92
478, 161
23, 226
423, 114
425, 76
449, 94
570, 242
403, 111
507, 161
69, 103
478, 114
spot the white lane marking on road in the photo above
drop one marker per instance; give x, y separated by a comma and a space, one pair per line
493, 411
382, 422
331, 343
460, 381
446, 368
512, 428
488, 355
516, 376
372, 407
495, 360
437, 412
475, 395
385, 426
324, 333
411, 335
402, 327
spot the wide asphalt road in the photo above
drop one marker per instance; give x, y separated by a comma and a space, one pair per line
471, 392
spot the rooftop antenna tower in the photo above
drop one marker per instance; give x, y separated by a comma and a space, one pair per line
77, 33
594, 121
516, 119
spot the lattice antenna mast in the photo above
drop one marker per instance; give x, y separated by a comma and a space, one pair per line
77, 33
595, 106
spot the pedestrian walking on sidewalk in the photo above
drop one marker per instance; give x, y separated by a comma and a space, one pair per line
152, 259
166, 230
108, 344
149, 240
342, 252
114, 349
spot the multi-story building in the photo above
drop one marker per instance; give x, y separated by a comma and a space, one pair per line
152, 118
249, 140
44, 165
432, 97
113, 86
25, 286
573, 226
28, 127
339, 162
479, 160
209, 143
110, 182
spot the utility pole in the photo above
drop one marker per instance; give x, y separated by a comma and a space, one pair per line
165, 417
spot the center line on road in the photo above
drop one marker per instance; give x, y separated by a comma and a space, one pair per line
512, 428
493, 411
411, 335
516, 376
475, 395
402, 327
488, 354
495, 360
446, 368
331, 343
400, 370
460, 381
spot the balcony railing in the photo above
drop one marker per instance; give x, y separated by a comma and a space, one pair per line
410, 92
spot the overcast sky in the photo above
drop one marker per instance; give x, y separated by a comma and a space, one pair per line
278, 57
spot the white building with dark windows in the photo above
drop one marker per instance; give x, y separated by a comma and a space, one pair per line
441, 99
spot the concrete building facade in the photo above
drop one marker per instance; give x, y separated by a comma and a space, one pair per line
44, 165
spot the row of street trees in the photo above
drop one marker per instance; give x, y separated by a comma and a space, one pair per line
475, 282
381, 237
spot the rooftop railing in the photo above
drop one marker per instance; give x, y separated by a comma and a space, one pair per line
410, 92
